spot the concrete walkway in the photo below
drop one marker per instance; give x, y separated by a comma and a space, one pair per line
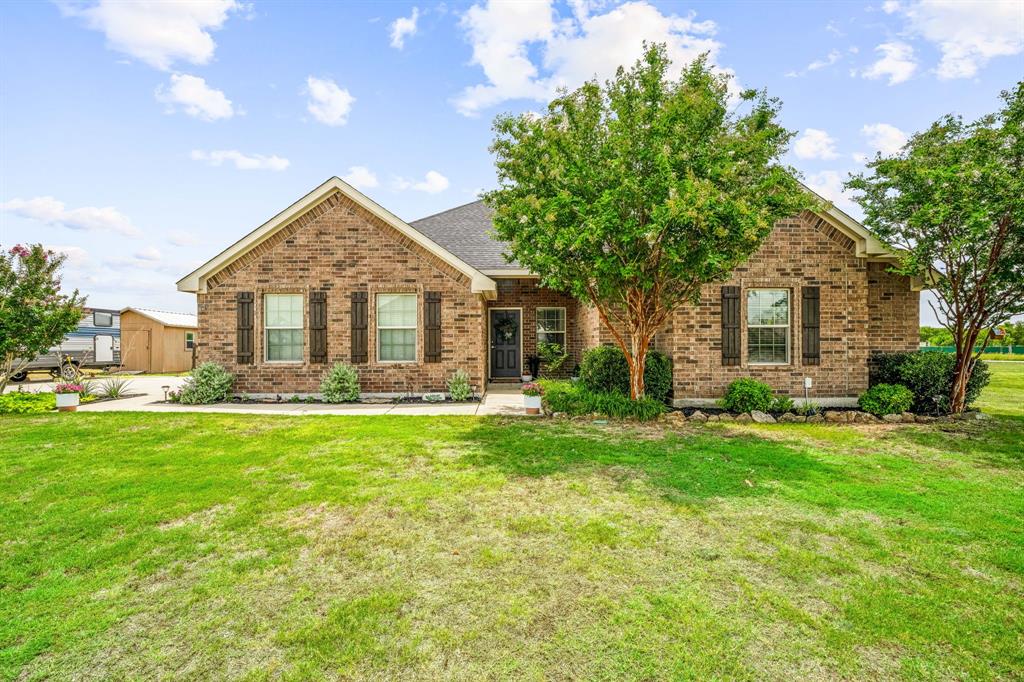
149, 391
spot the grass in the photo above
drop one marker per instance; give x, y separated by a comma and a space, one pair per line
1005, 392
235, 546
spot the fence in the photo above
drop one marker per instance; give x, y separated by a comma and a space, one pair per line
1005, 350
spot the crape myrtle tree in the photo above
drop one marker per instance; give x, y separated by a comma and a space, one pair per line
34, 314
953, 200
631, 195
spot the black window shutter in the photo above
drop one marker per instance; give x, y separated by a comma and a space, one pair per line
359, 327
432, 326
244, 337
810, 317
730, 326
318, 326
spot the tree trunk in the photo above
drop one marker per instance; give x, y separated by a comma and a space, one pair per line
965, 362
637, 359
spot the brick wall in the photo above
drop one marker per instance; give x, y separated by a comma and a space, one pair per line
524, 293
338, 247
863, 308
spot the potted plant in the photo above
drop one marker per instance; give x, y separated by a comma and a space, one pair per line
532, 397
67, 396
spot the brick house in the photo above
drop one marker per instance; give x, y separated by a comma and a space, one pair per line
336, 277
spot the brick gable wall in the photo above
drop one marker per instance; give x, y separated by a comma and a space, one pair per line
339, 247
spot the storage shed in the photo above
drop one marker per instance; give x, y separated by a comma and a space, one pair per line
157, 341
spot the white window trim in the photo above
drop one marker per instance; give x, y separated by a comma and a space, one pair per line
788, 327
415, 328
266, 329
565, 324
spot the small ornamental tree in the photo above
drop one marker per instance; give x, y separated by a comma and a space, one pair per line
632, 195
34, 314
953, 200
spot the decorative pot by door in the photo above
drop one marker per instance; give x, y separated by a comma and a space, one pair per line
505, 341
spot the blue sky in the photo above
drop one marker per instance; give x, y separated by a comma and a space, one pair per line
142, 138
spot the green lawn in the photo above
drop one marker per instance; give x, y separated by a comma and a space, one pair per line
196, 546
1005, 392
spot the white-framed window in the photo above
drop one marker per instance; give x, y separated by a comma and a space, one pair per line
396, 327
190, 340
551, 326
768, 326
282, 322
101, 319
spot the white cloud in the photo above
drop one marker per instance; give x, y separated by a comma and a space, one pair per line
52, 212
360, 177
832, 57
514, 42
829, 184
890, 6
432, 183
815, 144
969, 34
77, 257
859, 157
182, 238
242, 161
150, 253
897, 63
328, 103
887, 139
158, 32
404, 27
195, 97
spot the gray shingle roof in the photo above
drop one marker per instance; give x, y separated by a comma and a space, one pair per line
466, 232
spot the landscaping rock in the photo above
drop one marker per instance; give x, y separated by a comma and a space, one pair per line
908, 417
762, 417
924, 419
712, 417
744, 418
836, 416
892, 418
864, 418
726, 417
698, 416
787, 418
816, 419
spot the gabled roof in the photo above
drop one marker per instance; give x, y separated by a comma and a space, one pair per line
195, 281
168, 319
466, 231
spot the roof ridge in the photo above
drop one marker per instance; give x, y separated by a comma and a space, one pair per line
447, 210
158, 310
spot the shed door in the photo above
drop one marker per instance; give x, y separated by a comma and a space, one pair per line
103, 347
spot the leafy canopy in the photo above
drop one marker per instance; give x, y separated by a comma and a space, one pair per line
636, 193
34, 314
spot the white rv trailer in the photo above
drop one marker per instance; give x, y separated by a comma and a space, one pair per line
95, 343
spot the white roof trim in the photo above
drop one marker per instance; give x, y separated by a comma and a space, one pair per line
195, 281
155, 315
507, 272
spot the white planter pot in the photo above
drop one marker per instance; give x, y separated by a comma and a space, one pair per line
526, 378
532, 404
67, 402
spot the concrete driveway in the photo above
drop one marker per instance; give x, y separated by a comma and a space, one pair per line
148, 392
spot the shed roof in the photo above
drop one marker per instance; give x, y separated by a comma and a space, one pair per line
168, 319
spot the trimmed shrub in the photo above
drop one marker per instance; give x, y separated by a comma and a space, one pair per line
746, 395
576, 399
27, 403
340, 384
782, 403
929, 376
208, 383
883, 399
458, 386
604, 370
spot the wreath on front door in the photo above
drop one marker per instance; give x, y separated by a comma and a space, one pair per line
507, 328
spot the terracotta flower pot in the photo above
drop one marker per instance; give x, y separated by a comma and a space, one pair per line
532, 404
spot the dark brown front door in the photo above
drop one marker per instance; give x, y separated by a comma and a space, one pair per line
505, 335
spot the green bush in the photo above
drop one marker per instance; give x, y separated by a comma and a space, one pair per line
207, 383
782, 403
746, 395
458, 386
26, 403
577, 399
929, 376
340, 384
604, 370
883, 399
